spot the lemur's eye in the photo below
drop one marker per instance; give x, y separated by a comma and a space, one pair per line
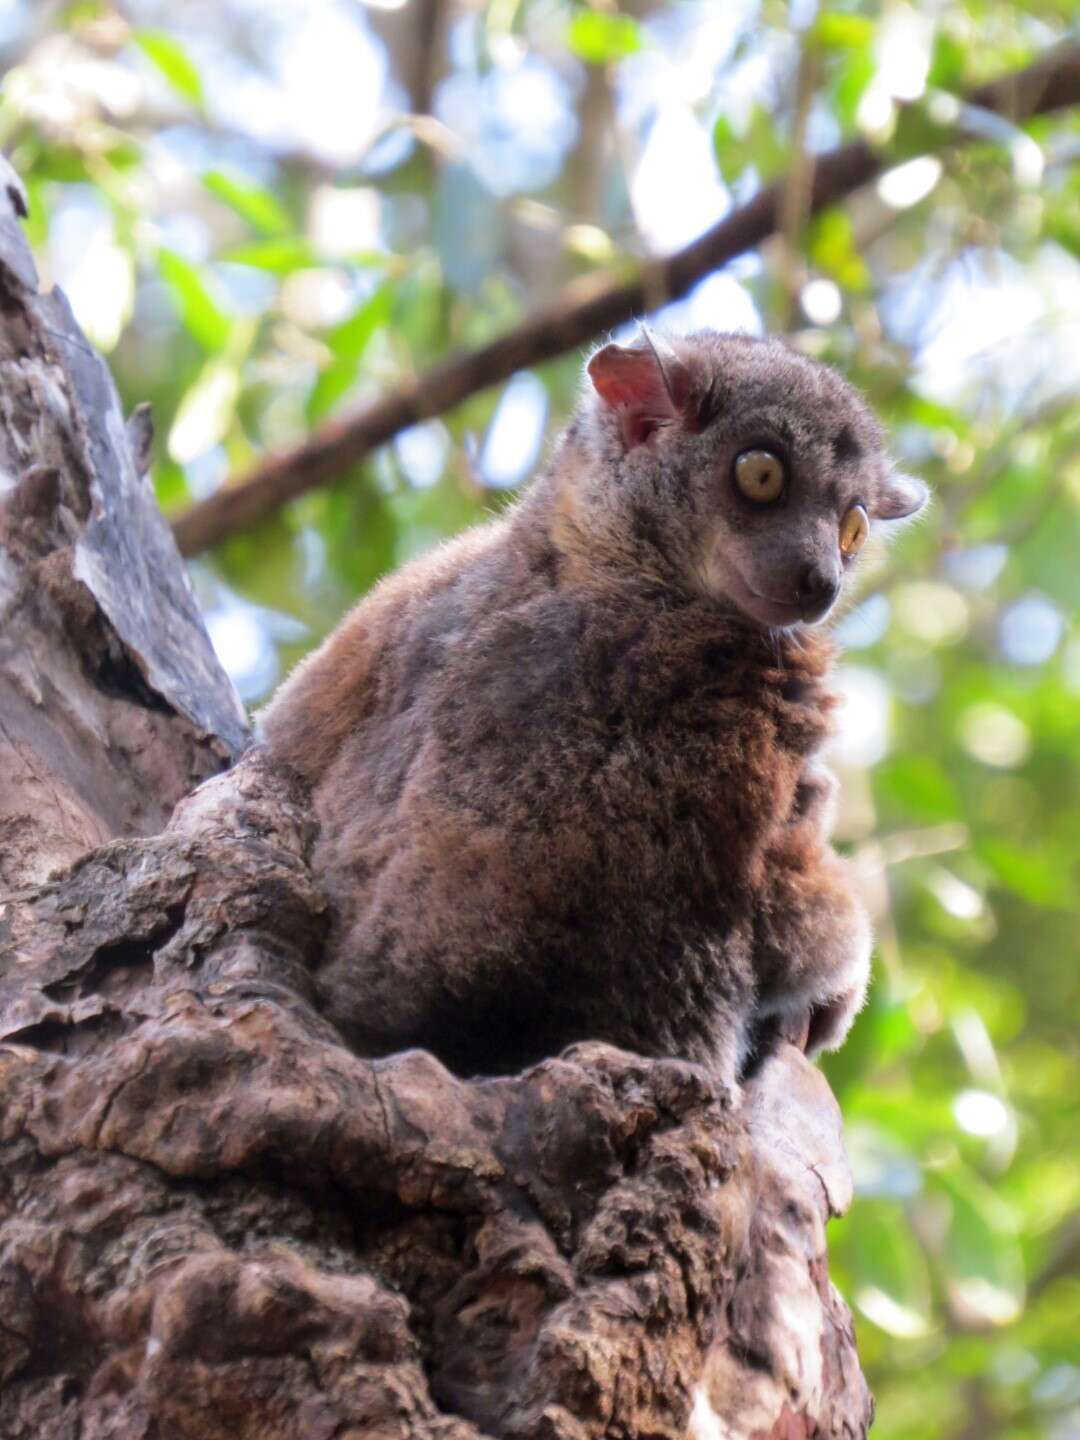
759, 474
854, 528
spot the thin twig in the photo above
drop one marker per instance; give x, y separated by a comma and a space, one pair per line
588, 307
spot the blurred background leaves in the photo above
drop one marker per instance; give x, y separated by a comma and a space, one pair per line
265, 212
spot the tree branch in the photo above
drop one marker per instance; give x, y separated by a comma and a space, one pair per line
587, 307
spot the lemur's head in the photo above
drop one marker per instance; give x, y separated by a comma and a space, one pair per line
748, 471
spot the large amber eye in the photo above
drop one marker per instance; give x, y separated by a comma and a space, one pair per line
854, 528
760, 476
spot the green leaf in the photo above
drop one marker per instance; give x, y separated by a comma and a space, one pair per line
263, 560
1027, 872
173, 61
948, 62
205, 411
200, 313
852, 80
36, 223
426, 517
332, 385
918, 132
83, 12
758, 142
917, 788
830, 244
726, 145
837, 31
981, 1258
1062, 224
58, 162
600, 38
258, 206
170, 484
280, 257
890, 1276
882, 1032
348, 341
360, 529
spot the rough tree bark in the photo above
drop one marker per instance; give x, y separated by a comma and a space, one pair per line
215, 1221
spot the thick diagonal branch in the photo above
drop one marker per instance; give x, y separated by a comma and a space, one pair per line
587, 308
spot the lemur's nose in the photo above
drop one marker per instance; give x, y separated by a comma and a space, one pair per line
818, 587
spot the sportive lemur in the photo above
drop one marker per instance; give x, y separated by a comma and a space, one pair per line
565, 767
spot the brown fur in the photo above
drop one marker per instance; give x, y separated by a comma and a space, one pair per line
566, 792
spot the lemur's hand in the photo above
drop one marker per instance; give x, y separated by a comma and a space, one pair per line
823, 1024
815, 797
812, 936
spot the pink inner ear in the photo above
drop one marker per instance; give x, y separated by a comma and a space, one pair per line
633, 384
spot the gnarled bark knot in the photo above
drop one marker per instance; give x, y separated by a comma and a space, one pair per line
216, 1223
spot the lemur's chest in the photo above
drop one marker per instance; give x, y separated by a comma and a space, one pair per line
565, 719
708, 742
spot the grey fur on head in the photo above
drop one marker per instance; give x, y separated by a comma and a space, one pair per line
669, 418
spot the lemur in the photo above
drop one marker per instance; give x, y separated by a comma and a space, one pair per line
565, 767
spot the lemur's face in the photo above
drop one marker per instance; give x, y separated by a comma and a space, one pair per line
755, 470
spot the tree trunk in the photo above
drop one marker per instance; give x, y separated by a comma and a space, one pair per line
215, 1221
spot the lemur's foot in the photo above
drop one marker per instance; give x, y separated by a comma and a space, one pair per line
816, 796
821, 1026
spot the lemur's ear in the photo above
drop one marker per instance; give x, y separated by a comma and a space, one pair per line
646, 384
898, 496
